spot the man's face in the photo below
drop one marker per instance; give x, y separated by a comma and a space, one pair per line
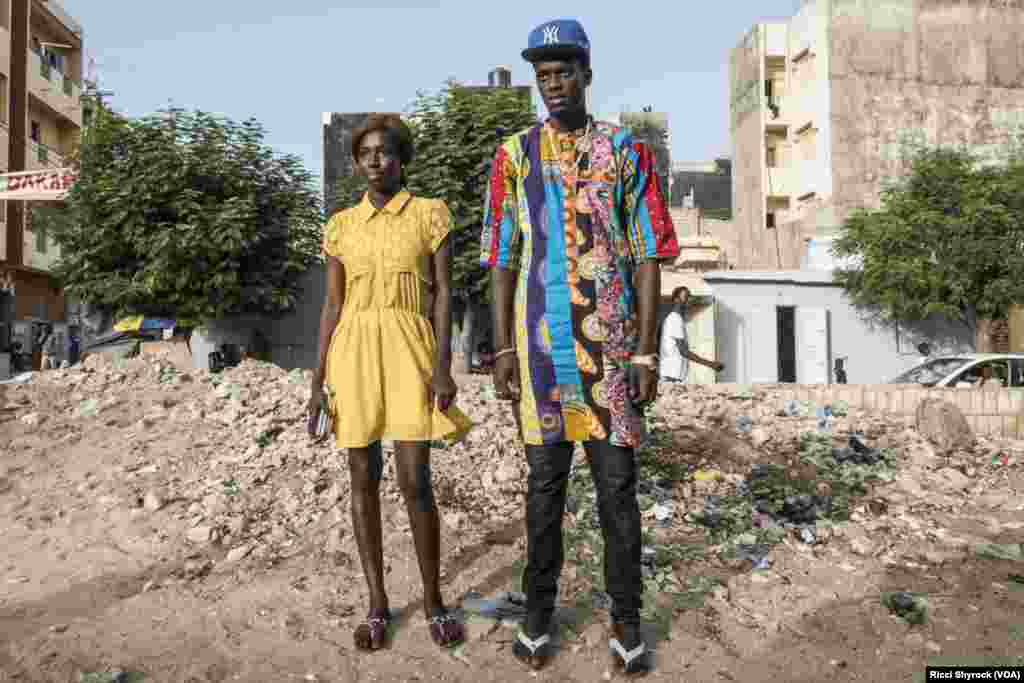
683, 297
378, 159
562, 86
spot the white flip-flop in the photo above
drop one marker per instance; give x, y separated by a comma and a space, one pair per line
627, 657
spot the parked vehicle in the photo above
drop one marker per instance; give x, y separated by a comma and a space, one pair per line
967, 370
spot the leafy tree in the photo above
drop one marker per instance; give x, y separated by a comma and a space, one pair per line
185, 214
457, 132
947, 240
348, 191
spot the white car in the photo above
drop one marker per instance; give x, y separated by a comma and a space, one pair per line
967, 370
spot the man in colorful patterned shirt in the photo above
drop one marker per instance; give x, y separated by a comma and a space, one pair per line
575, 229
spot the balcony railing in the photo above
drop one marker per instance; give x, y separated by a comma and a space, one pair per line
61, 82
45, 156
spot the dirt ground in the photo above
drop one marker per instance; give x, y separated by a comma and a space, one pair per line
179, 528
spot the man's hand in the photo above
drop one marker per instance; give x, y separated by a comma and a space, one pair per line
644, 387
443, 390
716, 366
506, 377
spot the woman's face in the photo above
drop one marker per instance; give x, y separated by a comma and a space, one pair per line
378, 160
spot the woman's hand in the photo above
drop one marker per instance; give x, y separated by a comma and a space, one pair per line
313, 408
443, 389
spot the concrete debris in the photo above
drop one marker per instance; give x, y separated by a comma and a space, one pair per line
944, 425
217, 473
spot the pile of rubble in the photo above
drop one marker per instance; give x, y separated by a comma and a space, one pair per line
231, 453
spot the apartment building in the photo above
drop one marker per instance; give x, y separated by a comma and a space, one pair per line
826, 107
40, 124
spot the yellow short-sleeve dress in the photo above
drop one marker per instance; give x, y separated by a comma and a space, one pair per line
381, 358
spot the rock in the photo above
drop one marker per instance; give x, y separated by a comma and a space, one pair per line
33, 419
951, 480
594, 635
197, 568
759, 437
238, 553
153, 501
506, 473
201, 534
942, 424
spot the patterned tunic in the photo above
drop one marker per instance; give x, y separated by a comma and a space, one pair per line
576, 243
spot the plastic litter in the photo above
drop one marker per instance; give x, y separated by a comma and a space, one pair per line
663, 514
744, 424
706, 475
504, 605
856, 452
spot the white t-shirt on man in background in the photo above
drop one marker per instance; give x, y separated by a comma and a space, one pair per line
673, 364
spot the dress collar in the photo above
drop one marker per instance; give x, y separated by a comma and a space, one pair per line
394, 206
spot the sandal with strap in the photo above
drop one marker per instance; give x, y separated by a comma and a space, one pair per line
534, 652
445, 629
635, 662
371, 634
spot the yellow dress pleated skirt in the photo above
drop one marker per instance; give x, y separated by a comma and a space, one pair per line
381, 358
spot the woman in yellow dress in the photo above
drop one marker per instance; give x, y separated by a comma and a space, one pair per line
387, 367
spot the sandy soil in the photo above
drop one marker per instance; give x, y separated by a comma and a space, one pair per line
181, 531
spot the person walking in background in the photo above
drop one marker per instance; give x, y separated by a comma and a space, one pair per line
575, 228
387, 367
675, 347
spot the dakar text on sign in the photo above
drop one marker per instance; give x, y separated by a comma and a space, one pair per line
51, 184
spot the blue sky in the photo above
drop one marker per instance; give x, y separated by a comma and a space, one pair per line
285, 63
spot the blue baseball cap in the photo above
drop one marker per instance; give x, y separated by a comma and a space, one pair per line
560, 37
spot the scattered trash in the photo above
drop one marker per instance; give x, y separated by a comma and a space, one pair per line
707, 475
1001, 459
906, 606
791, 409
754, 552
571, 505
744, 424
807, 535
857, 452
647, 562
663, 514
840, 409
825, 419
504, 605
660, 491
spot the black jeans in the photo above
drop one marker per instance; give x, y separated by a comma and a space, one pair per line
614, 471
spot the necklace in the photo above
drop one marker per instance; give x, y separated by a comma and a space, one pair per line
581, 147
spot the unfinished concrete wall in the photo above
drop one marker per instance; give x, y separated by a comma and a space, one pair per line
746, 76
919, 71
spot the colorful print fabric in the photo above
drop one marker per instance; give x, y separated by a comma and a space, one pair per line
576, 239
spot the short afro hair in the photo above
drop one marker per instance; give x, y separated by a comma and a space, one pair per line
391, 125
679, 290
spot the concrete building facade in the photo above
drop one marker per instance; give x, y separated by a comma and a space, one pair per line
826, 107
40, 125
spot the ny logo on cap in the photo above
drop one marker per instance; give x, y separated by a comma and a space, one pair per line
551, 35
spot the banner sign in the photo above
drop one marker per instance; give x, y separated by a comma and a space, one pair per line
48, 185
